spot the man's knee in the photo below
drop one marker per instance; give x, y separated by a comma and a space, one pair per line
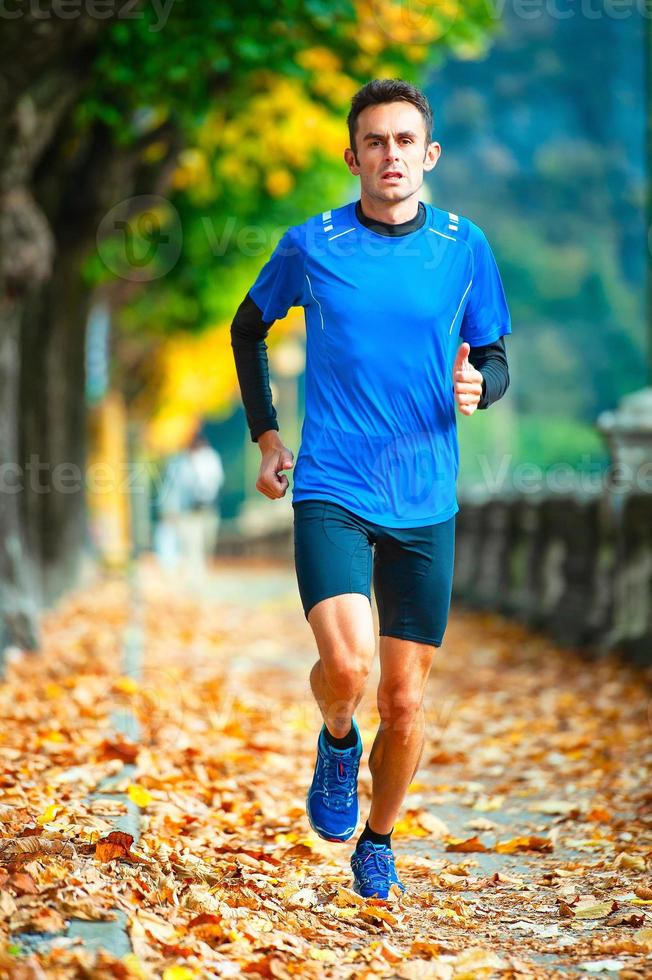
346, 670
400, 707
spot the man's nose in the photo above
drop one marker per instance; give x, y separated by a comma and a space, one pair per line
392, 150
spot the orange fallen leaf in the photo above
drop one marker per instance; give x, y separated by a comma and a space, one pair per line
377, 912
599, 815
22, 884
119, 749
422, 947
125, 685
471, 844
115, 846
532, 843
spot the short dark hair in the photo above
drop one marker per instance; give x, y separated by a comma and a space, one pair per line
381, 90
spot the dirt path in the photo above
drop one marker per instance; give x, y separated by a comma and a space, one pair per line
526, 840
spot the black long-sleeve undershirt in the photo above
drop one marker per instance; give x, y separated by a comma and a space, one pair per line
248, 332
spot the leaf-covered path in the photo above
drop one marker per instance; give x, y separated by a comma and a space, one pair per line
526, 839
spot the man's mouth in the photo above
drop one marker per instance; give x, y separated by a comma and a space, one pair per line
392, 175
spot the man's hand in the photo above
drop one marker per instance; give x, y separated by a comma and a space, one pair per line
467, 382
276, 457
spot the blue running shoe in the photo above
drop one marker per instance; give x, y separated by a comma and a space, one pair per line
332, 800
374, 871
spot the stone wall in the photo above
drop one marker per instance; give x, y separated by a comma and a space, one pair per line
578, 568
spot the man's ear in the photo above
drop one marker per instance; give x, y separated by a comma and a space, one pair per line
433, 153
351, 161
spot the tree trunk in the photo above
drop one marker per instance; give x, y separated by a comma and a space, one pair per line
53, 423
39, 89
55, 186
18, 609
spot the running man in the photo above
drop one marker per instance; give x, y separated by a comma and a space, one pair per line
389, 285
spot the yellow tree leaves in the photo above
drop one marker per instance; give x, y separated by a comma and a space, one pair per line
198, 379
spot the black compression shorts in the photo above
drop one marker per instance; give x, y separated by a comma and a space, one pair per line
337, 552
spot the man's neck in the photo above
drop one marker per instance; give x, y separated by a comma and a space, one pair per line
390, 212
391, 229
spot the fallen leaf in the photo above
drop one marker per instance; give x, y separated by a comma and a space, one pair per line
139, 795
7, 905
590, 909
49, 814
469, 845
303, 898
644, 938
376, 912
116, 846
518, 844
625, 860
435, 827
600, 966
552, 806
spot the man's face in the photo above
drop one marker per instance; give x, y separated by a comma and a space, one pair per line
391, 151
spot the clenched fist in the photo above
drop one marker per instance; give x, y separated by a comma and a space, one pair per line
467, 382
276, 457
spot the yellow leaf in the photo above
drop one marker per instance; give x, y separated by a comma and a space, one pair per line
325, 955
477, 961
139, 795
52, 737
125, 684
178, 973
589, 909
409, 825
132, 963
487, 803
50, 814
376, 912
346, 913
625, 860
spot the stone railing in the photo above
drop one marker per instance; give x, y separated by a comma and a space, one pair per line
578, 568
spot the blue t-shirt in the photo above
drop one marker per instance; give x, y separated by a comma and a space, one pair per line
385, 316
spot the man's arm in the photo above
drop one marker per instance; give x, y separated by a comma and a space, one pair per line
491, 361
248, 332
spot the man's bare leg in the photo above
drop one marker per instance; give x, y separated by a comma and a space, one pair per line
344, 631
398, 746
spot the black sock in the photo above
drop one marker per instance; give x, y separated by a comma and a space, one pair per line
369, 834
348, 741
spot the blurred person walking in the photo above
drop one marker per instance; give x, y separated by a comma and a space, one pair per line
390, 284
189, 509
202, 478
